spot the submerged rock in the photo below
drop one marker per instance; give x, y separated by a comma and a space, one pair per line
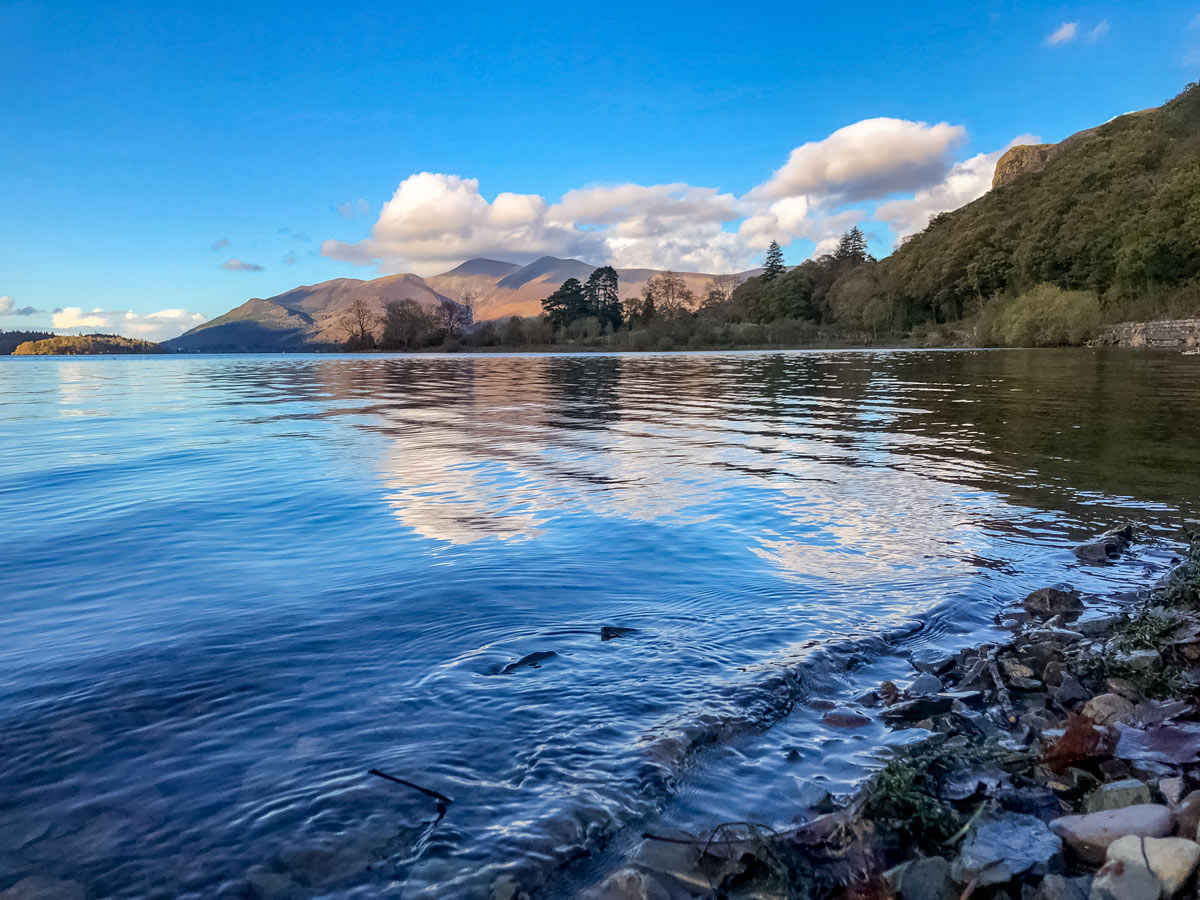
41, 887
845, 718
1004, 848
1089, 835
1047, 602
631, 884
924, 684
1171, 859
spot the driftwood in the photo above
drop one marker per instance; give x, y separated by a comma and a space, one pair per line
443, 802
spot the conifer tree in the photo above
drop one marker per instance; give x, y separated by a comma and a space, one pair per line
773, 265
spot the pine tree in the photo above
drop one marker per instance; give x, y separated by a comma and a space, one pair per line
773, 265
603, 296
566, 304
852, 247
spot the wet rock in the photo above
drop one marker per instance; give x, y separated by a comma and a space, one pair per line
923, 879
913, 739
1089, 835
1172, 859
1027, 685
1059, 887
631, 884
1174, 743
1098, 626
1118, 795
845, 718
268, 884
1047, 602
931, 660
1052, 675
1014, 669
925, 684
1123, 881
811, 796
1108, 709
1141, 660
1149, 771
612, 632
1004, 848
1123, 687
916, 709
1109, 544
41, 887
530, 660
1070, 691
1187, 816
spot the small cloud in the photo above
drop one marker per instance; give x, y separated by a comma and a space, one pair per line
284, 230
353, 208
1099, 31
219, 244
1067, 31
155, 326
301, 236
8, 307
289, 259
236, 265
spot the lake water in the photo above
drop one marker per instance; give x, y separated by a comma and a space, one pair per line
231, 586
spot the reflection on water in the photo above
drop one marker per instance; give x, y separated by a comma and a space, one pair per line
233, 585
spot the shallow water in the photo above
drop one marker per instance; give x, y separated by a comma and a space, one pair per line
233, 585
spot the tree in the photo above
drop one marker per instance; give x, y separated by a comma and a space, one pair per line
852, 247
406, 324
361, 321
718, 298
566, 304
669, 294
453, 318
773, 265
603, 298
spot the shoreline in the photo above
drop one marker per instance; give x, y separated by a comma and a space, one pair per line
1063, 764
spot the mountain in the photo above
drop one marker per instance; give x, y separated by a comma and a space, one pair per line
305, 317
498, 292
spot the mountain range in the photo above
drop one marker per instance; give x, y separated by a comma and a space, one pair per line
314, 315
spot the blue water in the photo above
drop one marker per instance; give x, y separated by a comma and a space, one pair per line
231, 586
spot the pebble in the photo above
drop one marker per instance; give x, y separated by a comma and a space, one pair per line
1005, 848
1090, 834
1122, 881
1118, 795
1171, 859
1108, 709
845, 718
924, 684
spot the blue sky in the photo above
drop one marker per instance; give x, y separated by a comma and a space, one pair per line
148, 145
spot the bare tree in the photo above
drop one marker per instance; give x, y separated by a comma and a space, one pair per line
453, 318
718, 299
670, 294
361, 321
405, 325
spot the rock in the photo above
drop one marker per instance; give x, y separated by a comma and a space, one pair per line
41, 887
845, 718
1123, 687
1122, 881
923, 879
1052, 675
1099, 626
811, 796
631, 884
913, 739
1095, 552
932, 660
1048, 602
1070, 691
1118, 795
1141, 660
1171, 859
1059, 887
918, 708
1172, 790
1187, 816
1089, 835
269, 885
1108, 709
1027, 685
1004, 848
924, 684
1014, 669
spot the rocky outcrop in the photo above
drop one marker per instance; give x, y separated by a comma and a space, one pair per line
1167, 333
1018, 160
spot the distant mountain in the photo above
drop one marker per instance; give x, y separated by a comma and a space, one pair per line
303, 318
519, 291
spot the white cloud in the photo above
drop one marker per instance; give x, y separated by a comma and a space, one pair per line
8, 307
434, 221
966, 181
1065, 32
237, 265
156, 326
869, 159
1099, 31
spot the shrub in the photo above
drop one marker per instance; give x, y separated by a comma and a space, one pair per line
1047, 316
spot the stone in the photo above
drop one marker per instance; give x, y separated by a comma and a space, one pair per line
845, 718
631, 884
1123, 881
1004, 848
1014, 669
1047, 602
924, 684
811, 795
42, 887
1187, 816
1094, 552
1059, 887
919, 708
923, 879
1027, 685
1172, 790
1090, 834
1108, 709
1141, 660
1124, 688
1070, 691
1171, 859
1118, 795
913, 739
1052, 675
932, 660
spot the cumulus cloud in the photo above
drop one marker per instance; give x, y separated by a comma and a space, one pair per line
434, 221
966, 181
219, 244
1065, 33
156, 326
8, 307
869, 159
237, 265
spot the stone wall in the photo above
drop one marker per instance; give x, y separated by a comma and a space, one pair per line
1181, 333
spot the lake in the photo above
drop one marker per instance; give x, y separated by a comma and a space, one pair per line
580, 596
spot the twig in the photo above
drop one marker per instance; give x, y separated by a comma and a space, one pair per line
442, 799
1001, 690
961, 833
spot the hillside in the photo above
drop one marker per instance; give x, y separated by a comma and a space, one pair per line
10, 340
308, 317
86, 345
